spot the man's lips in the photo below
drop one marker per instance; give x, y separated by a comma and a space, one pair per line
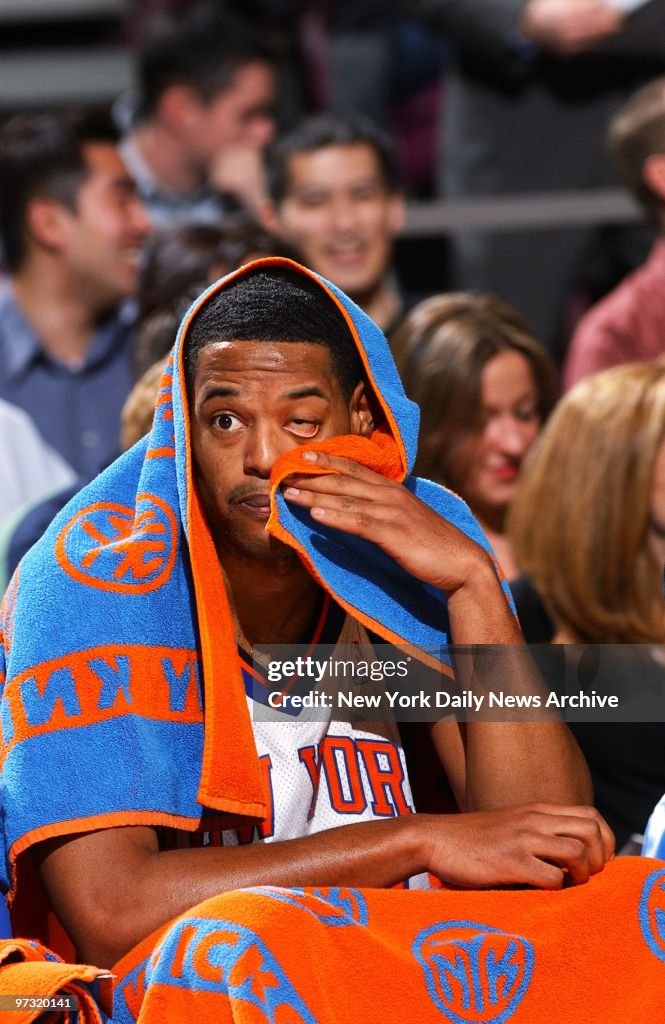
346, 254
256, 504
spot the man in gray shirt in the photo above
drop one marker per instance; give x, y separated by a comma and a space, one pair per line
72, 229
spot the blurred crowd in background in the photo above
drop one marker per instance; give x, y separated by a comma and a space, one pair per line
486, 178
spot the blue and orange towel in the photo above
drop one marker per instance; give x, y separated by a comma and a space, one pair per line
103, 724
593, 954
102, 713
31, 974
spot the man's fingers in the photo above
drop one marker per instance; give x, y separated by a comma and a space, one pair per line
347, 467
358, 522
329, 483
570, 817
544, 875
568, 853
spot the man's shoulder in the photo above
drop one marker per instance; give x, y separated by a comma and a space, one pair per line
9, 311
18, 341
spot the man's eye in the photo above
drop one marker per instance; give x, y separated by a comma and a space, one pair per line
312, 200
303, 428
226, 422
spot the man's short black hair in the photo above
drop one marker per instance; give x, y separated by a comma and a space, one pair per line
320, 132
202, 49
43, 155
278, 305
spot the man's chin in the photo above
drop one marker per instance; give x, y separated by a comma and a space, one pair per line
261, 548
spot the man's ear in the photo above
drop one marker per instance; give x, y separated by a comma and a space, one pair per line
46, 222
180, 108
362, 419
268, 215
653, 173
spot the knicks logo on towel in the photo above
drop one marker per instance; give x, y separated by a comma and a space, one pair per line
114, 547
333, 907
221, 957
652, 913
474, 974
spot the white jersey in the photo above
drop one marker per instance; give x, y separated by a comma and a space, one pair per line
325, 773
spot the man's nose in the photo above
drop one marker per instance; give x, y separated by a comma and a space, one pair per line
263, 447
261, 131
344, 214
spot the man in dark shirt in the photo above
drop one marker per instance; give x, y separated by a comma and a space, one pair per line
335, 197
206, 89
72, 229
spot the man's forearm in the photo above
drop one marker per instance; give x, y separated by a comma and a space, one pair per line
509, 763
113, 888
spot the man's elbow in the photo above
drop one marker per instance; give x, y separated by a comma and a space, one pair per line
103, 934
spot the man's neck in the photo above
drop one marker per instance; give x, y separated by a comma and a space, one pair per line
382, 303
57, 312
166, 158
273, 602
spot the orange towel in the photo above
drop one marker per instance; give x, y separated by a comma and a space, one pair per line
593, 954
33, 973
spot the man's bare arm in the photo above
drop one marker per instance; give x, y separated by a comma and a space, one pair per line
509, 763
112, 888
496, 764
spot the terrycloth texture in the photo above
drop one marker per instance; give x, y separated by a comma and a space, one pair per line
102, 712
27, 969
372, 587
594, 953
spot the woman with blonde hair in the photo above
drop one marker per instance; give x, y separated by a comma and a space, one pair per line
588, 528
484, 386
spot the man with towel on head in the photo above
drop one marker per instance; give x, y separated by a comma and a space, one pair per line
272, 503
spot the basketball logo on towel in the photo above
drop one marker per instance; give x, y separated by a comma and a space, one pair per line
119, 548
335, 907
652, 913
474, 974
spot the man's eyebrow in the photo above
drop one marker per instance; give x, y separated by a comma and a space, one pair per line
224, 391
309, 391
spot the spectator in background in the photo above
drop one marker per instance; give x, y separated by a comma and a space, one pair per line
484, 386
526, 108
629, 324
206, 92
179, 263
28, 466
335, 197
588, 528
72, 229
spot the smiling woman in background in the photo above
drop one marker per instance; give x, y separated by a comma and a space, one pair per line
484, 386
588, 528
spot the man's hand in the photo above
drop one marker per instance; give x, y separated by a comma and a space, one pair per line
238, 171
498, 764
540, 845
568, 27
114, 887
364, 503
